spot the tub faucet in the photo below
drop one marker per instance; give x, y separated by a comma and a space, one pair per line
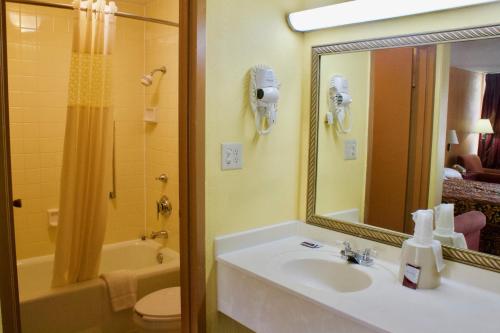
159, 234
363, 257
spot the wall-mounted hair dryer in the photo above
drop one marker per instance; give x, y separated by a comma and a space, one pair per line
264, 96
339, 102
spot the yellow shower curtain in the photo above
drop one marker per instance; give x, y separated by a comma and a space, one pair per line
87, 146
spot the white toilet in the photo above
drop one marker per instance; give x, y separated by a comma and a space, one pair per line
159, 311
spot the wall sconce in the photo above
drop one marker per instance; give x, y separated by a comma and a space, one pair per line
360, 11
483, 127
451, 139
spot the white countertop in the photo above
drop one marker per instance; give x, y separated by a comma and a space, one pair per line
385, 305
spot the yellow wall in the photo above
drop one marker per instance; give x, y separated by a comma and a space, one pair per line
162, 49
40, 37
126, 216
241, 34
341, 183
439, 123
267, 190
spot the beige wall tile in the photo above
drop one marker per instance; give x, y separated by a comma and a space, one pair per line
39, 48
39, 44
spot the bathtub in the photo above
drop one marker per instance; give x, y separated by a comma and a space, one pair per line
84, 306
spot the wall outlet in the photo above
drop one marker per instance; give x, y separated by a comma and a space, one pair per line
350, 150
231, 156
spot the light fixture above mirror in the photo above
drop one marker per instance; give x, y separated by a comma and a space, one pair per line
360, 11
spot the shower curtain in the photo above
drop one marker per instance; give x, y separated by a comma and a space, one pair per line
87, 146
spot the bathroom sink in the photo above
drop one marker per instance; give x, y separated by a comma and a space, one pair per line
326, 275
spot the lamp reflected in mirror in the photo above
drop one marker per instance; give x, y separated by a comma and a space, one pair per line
451, 139
483, 128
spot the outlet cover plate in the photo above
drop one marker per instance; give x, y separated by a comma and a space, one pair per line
350, 150
231, 156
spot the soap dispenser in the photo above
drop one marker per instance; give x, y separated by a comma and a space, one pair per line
445, 227
421, 256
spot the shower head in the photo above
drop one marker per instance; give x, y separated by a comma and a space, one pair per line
147, 79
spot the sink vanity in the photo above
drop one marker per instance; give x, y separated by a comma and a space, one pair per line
380, 113
269, 282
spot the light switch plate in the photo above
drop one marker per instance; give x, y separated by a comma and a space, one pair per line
350, 150
231, 156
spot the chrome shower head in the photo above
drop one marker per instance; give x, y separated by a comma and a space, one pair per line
147, 79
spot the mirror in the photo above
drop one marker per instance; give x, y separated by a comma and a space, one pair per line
379, 155
404, 128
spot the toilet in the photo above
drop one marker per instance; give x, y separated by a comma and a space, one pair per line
159, 311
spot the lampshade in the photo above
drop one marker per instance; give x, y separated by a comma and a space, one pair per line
451, 137
483, 126
359, 11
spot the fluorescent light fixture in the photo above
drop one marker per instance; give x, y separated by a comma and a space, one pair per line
359, 11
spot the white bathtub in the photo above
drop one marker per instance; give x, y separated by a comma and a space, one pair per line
85, 307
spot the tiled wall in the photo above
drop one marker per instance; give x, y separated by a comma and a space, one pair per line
162, 138
126, 217
39, 46
37, 39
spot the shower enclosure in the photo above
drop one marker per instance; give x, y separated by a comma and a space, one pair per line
39, 38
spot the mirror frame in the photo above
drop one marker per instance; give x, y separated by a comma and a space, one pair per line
473, 258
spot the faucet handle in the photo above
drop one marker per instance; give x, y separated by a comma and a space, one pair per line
162, 178
346, 251
163, 207
345, 244
367, 256
371, 253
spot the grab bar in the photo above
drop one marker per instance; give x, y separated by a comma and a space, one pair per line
112, 194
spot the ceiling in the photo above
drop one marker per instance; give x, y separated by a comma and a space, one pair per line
477, 56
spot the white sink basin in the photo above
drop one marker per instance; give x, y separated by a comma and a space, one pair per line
270, 283
326, 275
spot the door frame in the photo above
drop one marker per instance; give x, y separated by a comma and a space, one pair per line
191, 173
9, 298
192, 40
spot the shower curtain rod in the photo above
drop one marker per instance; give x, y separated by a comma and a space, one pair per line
118, 14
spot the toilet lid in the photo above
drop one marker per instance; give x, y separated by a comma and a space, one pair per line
164, 303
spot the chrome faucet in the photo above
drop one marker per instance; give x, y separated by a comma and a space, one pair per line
159, 234
363, 257
163, 207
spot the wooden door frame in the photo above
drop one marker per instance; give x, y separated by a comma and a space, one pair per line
8, 287
418, 168
191, 173
420, 146
192, 39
